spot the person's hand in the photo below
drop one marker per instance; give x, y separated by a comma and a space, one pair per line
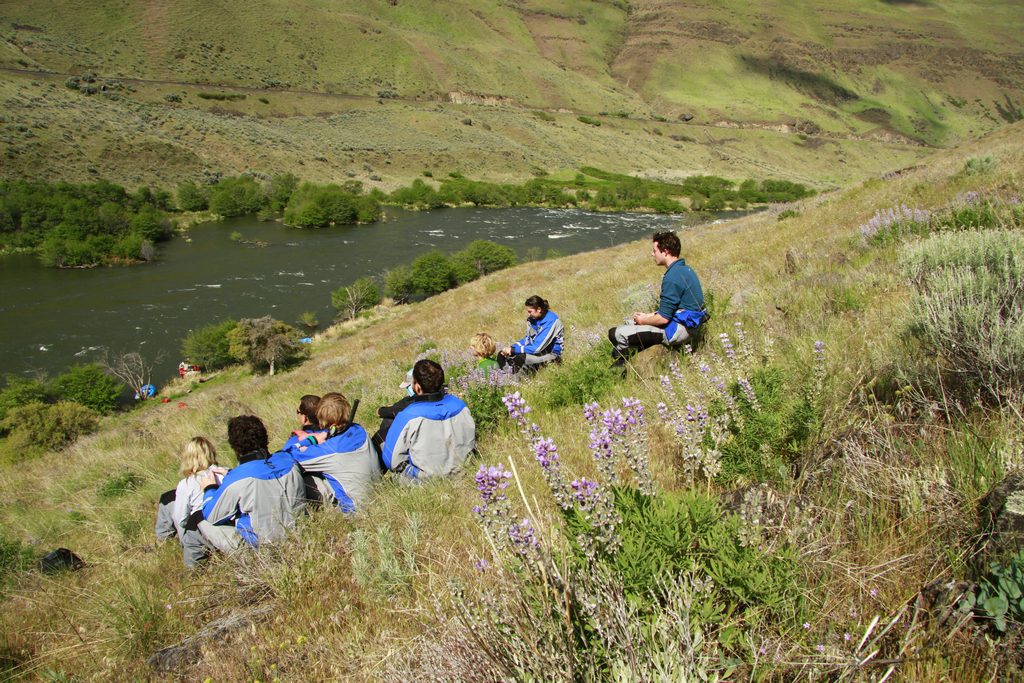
637, 317
208, 479
219, 470
507, 351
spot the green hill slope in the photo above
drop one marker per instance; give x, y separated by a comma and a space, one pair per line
811, 79
889, 473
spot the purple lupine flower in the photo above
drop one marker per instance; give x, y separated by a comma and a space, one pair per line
517, 407
481, 565
590, 411
490, 482
583, 492
522, 537
634, 410
663, 413
546, 452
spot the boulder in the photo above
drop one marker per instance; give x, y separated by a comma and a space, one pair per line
176, 658
1001, 521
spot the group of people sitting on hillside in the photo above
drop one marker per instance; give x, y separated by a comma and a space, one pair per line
331, 461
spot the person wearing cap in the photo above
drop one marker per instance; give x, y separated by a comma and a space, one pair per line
341, 453
680, 311
434, 434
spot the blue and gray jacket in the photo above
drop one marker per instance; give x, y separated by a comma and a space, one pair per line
432, 436
262, 497
682, 299
543, 336
347, 462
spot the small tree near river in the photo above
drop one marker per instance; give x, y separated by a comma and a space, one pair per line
264, 343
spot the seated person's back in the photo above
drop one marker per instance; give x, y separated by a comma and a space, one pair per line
261, 497
341, 453
434, 434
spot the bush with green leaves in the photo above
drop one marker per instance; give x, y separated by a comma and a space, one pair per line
480, 258
19, 391
398, 284
979, 165
317, 206
119, 484
590, 377
355, 298
431, 274
969, 307
236, 196
192, 197
38, 427
89, 385
208, 346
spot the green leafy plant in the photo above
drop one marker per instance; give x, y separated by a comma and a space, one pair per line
90, 386
587, 378
1000, 594
39, 427
208, 346
119, 485
352, 299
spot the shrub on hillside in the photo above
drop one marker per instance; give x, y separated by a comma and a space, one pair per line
19, 391
236, 196
352, 299
398, 284
191, 197
431, 274
480, 258
208, 346
587, 378
39, 427
90, 386
280, 192
969, 309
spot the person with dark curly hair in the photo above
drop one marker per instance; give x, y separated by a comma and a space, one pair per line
542, 343
257, 501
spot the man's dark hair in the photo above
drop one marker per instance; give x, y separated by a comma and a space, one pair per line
667, 242
429, 375
246, 433
537, 302
307, 406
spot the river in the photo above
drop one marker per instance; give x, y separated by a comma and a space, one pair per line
51, 319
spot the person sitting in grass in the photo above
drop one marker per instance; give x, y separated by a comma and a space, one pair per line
483, 347
680, 311
256, 502
434, 434
176, 506
306, 413
542, 343
387, 414
341, 452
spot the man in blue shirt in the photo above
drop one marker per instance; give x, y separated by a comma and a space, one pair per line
680, 309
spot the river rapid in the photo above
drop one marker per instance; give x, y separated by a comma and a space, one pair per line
52, 319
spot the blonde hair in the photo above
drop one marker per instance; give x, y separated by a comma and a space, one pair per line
334, 410
199, 455
482, 345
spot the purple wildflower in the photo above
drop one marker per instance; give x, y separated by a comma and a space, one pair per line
491, 481
546, 452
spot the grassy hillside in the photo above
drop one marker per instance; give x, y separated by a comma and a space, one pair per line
331, 87
887, 471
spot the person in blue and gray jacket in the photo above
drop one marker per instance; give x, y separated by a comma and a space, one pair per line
256, 502
542, 343
434, 434
680, 308
341, 453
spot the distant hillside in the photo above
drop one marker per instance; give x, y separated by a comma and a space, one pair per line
408, 83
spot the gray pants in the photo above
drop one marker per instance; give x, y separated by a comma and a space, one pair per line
223, 537
639, 337
165, 517
194, 548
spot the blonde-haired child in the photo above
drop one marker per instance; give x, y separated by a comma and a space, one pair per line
198, 461
483, 348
